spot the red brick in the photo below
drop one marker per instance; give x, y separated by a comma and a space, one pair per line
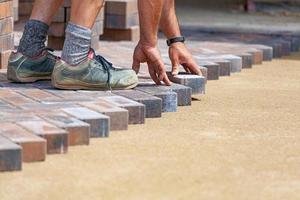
33, 147
57, 139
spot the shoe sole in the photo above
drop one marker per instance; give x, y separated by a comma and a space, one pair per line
12, 76
87, 87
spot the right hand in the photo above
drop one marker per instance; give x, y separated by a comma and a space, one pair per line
151, 56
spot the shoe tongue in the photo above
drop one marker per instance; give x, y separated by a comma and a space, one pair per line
91, 54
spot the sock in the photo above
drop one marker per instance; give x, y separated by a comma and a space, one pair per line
33, 40
77, 44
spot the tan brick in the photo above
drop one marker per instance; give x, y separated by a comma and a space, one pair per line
6, 9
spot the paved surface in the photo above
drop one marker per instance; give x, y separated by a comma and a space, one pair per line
235, 21
239, 141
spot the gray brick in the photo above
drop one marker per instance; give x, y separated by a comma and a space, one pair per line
99, 123
10, 155
118, 116
152, 104
197, 83
136, 110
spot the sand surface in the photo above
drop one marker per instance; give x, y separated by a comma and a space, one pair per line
240, 141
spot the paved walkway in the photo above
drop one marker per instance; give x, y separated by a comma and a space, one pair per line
239, 141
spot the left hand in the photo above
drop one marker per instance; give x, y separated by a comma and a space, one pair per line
180, 55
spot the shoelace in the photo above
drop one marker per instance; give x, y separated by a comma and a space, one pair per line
51, 50
107, 66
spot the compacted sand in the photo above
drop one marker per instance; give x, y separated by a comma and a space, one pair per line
240, 141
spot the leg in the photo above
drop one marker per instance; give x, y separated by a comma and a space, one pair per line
33, 40
88, 9
44, 10
33, 62
79, 67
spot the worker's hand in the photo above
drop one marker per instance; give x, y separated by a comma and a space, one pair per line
151, 56
180, 55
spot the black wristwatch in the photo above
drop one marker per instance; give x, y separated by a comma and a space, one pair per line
175, 39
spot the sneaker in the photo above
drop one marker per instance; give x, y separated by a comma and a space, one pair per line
23, 69
95, 73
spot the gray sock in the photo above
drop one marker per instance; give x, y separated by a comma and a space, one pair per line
33, 40
77, 44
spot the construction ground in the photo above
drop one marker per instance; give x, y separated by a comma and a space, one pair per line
239, 140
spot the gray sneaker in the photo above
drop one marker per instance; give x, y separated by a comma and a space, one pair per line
95, 73
23, 69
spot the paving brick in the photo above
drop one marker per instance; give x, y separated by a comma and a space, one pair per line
40, 95
121, 21
79, 131
118, 116
57, 139
6, 42
136, 110
153, 105
6, 9
213, 69
4, 56
169, 98
10, 155
121, 7
17, 115
5, 106
225, 65
69, 95
184, 94
197, 83
99, 123
6, 25
130, 34
14, 98
33, 147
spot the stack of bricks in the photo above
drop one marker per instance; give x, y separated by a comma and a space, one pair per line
6, 31
56, 33
121, 20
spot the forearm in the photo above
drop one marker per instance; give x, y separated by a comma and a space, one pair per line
168, 21
149, 14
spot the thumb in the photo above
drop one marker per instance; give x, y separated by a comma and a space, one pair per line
175, 67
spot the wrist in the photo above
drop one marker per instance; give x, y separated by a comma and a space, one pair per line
148, 42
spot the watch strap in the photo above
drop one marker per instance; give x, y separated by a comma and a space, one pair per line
175, 39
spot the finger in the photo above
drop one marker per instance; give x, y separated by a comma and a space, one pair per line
193, 67
136, 66
162, 74
175, 67
153, 75
186, 68
167, 81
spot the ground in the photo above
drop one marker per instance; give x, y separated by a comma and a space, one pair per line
239, 141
